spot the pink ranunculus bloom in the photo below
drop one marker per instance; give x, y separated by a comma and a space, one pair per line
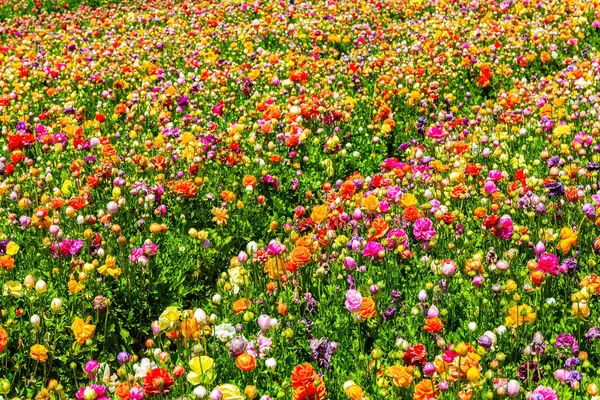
435, 132
275, 248
353, 300
548, 263
545, 393
423, 229
397, 237
372, 250
505, 227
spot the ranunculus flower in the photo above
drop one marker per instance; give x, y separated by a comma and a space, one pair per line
423, 229
353, 300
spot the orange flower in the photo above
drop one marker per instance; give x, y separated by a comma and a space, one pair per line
7, 263
412, 213
380, 226
274, 267
57, 203
479, 212
433, 324
77, 203
425, 390
401, 376
319, 213
367, 309
228, 196
39, 353
82, 330
245, 362
282, 308
347, 190
306, 384
3, 339
185, 188
241, 305
300, 256
249, 180
371, 203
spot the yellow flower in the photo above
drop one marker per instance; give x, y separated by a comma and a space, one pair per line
12, 248
168, 317
371, 203
39, 353
110, 267
74, 286
319, 213
511, 286
353, 391
220, 215
82, 330
560, 131
519, 314
12, 288
408, 200
473, 374
201, 370
230, 392
568, 240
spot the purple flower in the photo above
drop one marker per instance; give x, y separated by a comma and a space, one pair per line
592, 334
389, 313
566, 340
322, 350
123, 357
423, 229
528, 370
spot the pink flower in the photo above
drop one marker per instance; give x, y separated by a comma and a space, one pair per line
435, 132
423, 229
353, 300
372, 250
275, 248
544, 393
505, 227
397, 237
548, 263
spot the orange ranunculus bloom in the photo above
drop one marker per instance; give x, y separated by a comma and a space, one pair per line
381, 226
371, 203
7, 263
433, 325
57, 203
249, 180
282, 308
568, 240
300, 256
3, 339
425, 390
347, 190
77, 202
591, 280
228, 196
306, 384
412, 213
400, 376
185, 188
274, 267
82, 330
241, 305
367, 309
245, 362
39, 353
189, 328
319, 213
479, 212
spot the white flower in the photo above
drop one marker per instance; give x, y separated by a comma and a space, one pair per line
224, 332
501, 330
271, 363
200, 316
199, 392
143, 367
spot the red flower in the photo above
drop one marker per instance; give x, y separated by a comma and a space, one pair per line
416, 354
158, 381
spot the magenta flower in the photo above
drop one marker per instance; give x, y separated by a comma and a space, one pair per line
372, 250
96, 392
548, 263
544, 393
275, 248
505, 228
423, 229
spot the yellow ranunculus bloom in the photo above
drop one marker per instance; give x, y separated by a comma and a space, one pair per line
201, 368
82, 330
168, 317
12, 248
519, 314
12, 288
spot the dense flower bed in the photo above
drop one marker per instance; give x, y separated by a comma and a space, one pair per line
262, 199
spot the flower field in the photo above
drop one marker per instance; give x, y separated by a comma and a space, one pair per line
261, 199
